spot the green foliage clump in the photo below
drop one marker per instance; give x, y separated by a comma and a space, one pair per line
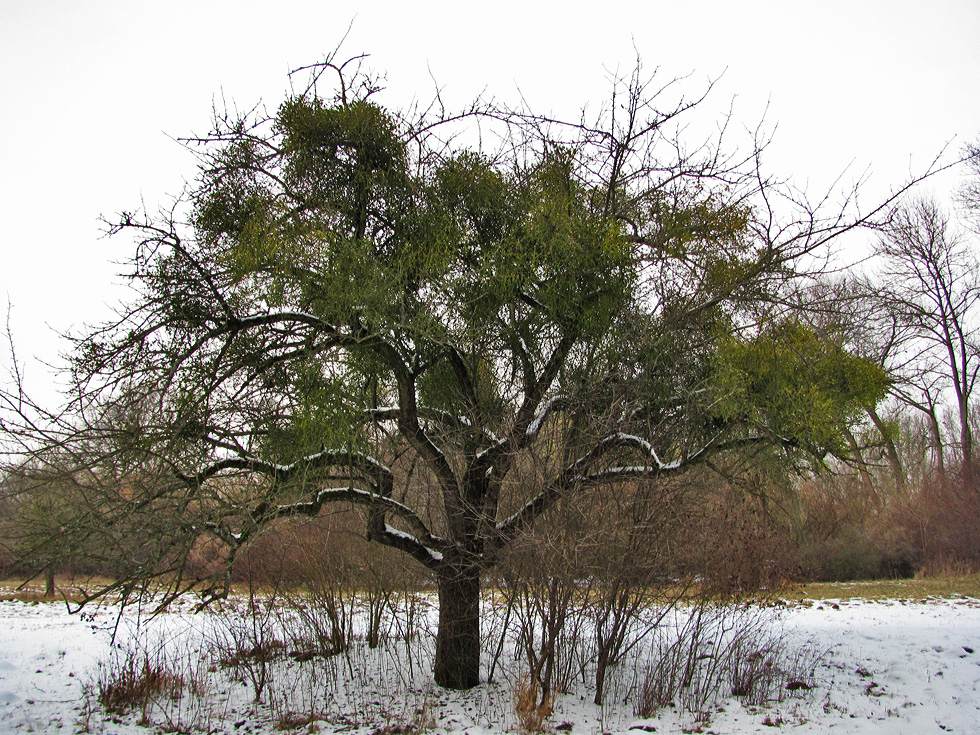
801, 387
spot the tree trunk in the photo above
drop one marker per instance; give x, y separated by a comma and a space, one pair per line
49, 581
457, 664
937, 440
862, 467
966, 434
891, 452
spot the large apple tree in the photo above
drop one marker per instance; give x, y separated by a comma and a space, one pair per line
351, 305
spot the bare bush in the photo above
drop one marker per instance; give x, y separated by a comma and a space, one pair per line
631, 588
717, 651
249, 640
942, 519
545, 583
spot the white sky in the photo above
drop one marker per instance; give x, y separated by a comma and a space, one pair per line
92, 93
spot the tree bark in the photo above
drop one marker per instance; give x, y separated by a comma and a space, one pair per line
862, 466
937, 440
891, 452
457, 663
966, 434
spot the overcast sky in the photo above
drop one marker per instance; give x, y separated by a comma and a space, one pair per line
93, 93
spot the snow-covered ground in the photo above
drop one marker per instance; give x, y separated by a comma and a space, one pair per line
881, 667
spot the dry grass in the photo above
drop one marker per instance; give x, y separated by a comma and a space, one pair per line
943, 585
28, 595
69, 587
532, 715
134, 685
33, 591
925, 588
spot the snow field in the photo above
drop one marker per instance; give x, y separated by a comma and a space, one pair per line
877, 667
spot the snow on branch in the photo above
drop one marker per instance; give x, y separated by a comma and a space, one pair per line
378, 477
284, 316
544, 410
645, 446
392, 413
401, 540
579, 475
283, 473
363, 497
384, 413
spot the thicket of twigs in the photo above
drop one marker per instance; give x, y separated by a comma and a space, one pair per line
755, 531
327, 629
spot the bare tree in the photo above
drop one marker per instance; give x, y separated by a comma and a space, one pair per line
929, 287
969, 194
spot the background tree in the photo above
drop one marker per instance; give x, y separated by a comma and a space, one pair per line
914, 314
969, 195
928, 282
354, 307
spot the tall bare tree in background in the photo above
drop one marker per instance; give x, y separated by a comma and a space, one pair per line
915, 312
929, 288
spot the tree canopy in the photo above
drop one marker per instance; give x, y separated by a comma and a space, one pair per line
351, 305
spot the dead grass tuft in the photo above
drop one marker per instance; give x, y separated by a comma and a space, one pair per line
133, 684
532, 715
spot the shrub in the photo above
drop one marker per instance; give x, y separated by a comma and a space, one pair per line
718, 651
